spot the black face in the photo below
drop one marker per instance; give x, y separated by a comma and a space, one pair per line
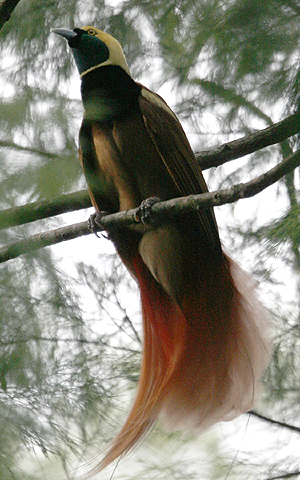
88, 50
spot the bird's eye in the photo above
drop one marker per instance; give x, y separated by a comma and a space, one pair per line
91, 32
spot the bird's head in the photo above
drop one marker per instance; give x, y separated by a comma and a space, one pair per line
93, 48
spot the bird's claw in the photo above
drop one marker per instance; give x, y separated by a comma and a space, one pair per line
95, 222
144, 212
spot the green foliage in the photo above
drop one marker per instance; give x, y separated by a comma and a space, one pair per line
56, 383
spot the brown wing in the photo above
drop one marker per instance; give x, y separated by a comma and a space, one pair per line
176, 153
104, 195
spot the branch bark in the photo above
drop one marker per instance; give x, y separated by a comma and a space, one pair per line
161, 211
251, 143
39, 210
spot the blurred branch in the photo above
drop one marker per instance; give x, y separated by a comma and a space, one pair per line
44, 239
160, 211
275, 422
39, 210
6, 9
99, 340
285, 475
17, 341
16, 146
130, 323
229, 95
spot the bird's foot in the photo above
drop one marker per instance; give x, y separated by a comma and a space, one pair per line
95, 222
144, 212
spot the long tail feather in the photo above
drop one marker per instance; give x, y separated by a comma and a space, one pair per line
202, 359
164, 328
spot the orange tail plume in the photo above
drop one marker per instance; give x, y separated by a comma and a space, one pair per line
164, 327
202, 359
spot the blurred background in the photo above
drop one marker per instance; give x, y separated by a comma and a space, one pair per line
70, 324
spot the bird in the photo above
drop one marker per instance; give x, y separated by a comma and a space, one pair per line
206, 334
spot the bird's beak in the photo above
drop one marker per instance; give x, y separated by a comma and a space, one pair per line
64, 32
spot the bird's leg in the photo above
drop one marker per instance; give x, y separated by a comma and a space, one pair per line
95, 222
144, 212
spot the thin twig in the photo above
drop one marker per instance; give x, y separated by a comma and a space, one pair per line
15, 146
161, 211
276, 422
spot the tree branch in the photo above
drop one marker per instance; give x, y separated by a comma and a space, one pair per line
39, 210
161, 211
251, 143
44, 239
6, 9
211, 158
